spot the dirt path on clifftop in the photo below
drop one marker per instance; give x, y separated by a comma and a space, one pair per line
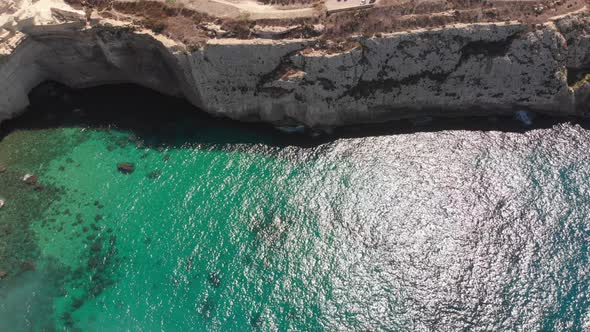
260, 11
252, 9
249, 9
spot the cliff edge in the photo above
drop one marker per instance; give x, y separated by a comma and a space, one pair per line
461, 69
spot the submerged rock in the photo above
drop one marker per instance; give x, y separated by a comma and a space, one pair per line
96, 246
126, 168
27, 266
256, 320
155, 174
292, 129
214, 279
2, 168
30, 179
3, 274
77, 303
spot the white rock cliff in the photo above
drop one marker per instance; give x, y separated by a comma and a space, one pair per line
476, 69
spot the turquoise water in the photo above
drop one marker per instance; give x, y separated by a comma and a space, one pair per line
197, 237
222, 228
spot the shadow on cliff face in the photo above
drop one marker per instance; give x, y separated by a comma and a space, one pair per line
153, 118
159, 120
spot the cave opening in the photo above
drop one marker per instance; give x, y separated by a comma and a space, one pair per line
160, 118
148, 114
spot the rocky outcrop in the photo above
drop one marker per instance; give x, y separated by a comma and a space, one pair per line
576, 31
476, 69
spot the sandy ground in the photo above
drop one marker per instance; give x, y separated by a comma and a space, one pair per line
260, 11
335, 5
242, 8
38, 12
211, 7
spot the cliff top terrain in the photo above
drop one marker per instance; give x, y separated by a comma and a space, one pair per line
193, 22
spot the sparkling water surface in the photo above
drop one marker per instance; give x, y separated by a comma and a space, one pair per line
223, 229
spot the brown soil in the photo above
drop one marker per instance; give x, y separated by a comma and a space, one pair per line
185, 25
7, 8
407, 16
175, 22
289, 2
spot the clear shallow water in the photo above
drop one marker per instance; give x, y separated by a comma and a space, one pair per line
446, 230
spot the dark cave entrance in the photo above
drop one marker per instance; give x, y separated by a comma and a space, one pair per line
157, 117
148, 114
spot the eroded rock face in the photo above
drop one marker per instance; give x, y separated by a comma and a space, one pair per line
471, 69
576, 31
86, 58
460, 70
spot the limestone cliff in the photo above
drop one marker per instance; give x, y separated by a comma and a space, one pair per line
475, 69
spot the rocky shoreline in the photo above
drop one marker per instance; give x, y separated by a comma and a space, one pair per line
460, 70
